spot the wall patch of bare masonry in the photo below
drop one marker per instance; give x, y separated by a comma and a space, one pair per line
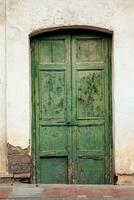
19, 160
125, 179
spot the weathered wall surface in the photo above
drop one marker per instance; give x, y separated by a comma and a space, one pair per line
25, 17
19, 161
3, 160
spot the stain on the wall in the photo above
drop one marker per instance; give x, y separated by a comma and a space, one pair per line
125, 179
2, 12
125, 164
13, 3
2, 18
19, 160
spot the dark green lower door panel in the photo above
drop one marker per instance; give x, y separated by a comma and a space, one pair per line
71, 108
54, 170
91, 171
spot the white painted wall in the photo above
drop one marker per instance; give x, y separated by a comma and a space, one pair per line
27, 16
3, 160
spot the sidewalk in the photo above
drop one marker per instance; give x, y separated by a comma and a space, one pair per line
62, 192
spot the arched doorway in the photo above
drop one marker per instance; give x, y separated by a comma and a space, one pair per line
72, 136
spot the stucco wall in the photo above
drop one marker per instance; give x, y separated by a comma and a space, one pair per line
27, 16
3, 161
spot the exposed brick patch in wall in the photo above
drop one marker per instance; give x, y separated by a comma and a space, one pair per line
125, 179
19, 160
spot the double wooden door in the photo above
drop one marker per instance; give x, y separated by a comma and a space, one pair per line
71, 108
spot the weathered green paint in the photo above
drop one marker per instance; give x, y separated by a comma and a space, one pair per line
72, 135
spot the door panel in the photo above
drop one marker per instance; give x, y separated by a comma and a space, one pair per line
89, 70
53, 140
52, 95
52, 50
90, 154
90, 140
53, 105
71, 108
90, 93
54, 74
91, 171
54, 170
89, 50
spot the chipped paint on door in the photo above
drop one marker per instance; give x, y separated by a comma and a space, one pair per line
71, 108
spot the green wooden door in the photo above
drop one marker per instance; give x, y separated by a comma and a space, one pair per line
71, 108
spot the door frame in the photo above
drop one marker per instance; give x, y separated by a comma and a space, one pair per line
34, 167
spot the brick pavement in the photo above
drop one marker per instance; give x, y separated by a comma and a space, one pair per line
62, 192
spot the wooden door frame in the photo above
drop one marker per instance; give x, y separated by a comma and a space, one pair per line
34, 167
